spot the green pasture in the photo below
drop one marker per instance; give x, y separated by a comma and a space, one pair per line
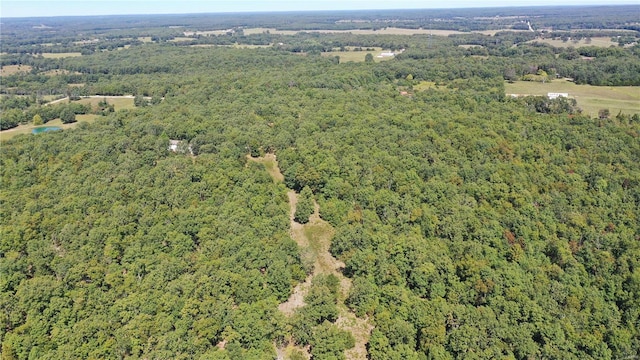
591, 99
26, 129
596, 41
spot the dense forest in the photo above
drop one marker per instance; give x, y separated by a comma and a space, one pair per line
470, 224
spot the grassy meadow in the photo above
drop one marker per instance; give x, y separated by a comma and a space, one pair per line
350, 55
14, 69
591, 99
596, 41
26, 129
119, 103
60, 55
385, 31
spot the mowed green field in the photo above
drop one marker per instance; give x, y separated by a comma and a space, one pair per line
590, 98
596, 41
119, 103
26, 129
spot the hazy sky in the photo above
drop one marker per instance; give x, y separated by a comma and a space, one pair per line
27, 8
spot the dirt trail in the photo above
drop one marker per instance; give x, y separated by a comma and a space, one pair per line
314, 239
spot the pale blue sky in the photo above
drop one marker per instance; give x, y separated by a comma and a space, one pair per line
28, 8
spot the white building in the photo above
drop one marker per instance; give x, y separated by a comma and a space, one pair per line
557, 95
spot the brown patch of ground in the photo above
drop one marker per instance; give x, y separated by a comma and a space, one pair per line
14, 69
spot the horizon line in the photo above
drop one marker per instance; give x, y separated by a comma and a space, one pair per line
263, 12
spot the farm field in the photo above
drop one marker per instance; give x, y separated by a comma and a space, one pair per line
358, 56
119, 103
60, 55
590, 98
386, 31
235, 46
14, 69
596, 41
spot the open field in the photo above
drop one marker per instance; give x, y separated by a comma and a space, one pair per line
493, 32
145, 39
386, 31
596, 41
118, 102
252, 31
206, 33
589, 98
424, 85
181, 39
358, 56
60, 55
14, 69
26, 129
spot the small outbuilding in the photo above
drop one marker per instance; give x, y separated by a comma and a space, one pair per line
557, 95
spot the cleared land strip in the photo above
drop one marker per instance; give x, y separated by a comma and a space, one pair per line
314, 239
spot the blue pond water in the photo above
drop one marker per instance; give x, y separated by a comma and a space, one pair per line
45, 129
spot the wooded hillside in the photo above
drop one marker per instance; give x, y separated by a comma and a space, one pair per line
472, 225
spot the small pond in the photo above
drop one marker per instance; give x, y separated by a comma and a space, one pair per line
45, 129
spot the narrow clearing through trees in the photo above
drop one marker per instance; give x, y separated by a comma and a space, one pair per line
314, 239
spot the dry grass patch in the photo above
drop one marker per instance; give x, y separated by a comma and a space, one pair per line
56, 72
14, 69
119, 103
253, 31
60, 55
385, 31
356, 56
181, 39
494, 32
596, 41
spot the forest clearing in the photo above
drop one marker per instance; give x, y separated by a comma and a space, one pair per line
314, 239
591, 99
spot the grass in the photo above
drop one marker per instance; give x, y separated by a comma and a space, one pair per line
26, 129
60, 55
181, 39
55, 72
118, 102
590, 98
14, 69
253, 31
493, 32
424, 85
387, 31
596, 41
357, 56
